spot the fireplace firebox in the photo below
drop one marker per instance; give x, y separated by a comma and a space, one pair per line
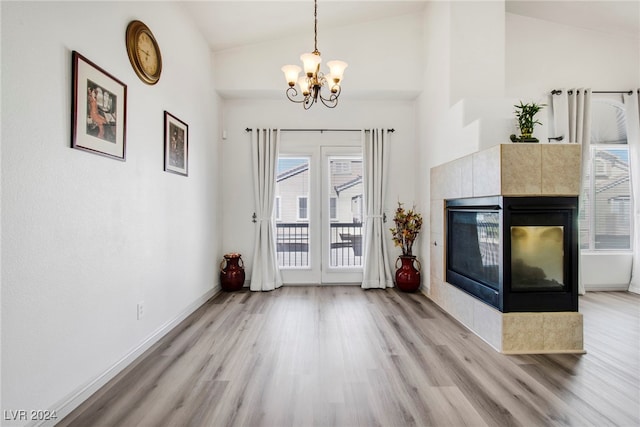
517, 254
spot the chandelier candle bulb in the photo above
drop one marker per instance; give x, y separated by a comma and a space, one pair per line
336, 68
311, 63
332, 83
291, 73
303, 82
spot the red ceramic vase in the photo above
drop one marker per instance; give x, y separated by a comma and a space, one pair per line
407, 276
232, 275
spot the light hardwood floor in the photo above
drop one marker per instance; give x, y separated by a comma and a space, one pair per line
342, 356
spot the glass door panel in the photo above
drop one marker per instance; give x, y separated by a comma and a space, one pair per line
345, 211
295, 220
342, 214
292, 212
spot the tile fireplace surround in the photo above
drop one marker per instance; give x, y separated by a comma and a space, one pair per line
505, 170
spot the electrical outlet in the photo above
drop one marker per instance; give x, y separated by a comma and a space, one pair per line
140, 311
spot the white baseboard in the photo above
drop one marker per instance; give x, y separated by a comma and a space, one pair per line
607, 288
76, 398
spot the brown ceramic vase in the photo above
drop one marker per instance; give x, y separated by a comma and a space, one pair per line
232, 275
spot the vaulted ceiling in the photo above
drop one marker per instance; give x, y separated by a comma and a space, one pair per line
228, 24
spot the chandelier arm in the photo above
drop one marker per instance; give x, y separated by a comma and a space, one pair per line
292, 93
332, 100
309, 102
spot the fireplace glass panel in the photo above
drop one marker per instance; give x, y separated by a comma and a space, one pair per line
475, 246
516, 254
537, 258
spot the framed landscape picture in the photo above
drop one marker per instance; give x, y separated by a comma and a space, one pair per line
99, 110
176, 145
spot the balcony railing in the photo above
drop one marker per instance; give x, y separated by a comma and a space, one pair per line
292, 244
346, 245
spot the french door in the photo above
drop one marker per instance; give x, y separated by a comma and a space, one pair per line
318, 209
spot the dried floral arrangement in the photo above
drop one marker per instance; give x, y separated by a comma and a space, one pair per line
408, 224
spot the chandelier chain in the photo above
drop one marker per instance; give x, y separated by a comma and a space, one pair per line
315, 24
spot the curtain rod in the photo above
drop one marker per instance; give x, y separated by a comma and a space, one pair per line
628, 92
323, 130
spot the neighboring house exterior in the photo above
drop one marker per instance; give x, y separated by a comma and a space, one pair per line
612, 199
346, 199
292, 194
293, 205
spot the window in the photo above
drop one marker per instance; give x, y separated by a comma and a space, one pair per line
303, 211
333, 208
605, 211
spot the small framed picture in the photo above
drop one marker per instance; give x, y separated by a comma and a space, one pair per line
176, 145
99, 110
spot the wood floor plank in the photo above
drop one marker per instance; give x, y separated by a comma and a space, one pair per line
341, 356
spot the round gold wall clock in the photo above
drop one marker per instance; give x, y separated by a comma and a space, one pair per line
144, 52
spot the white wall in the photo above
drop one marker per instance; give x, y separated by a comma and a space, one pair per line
605, 271
464, 61
477, 49
560, 56
85, 238
432, 108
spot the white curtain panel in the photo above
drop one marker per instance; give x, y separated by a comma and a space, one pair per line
265, 274
580, 133
572, 115
376, 268
572, 120
632, 107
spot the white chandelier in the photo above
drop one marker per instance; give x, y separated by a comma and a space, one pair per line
313, 82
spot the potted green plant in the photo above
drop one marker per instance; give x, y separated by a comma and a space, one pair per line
525, 114
406, 230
